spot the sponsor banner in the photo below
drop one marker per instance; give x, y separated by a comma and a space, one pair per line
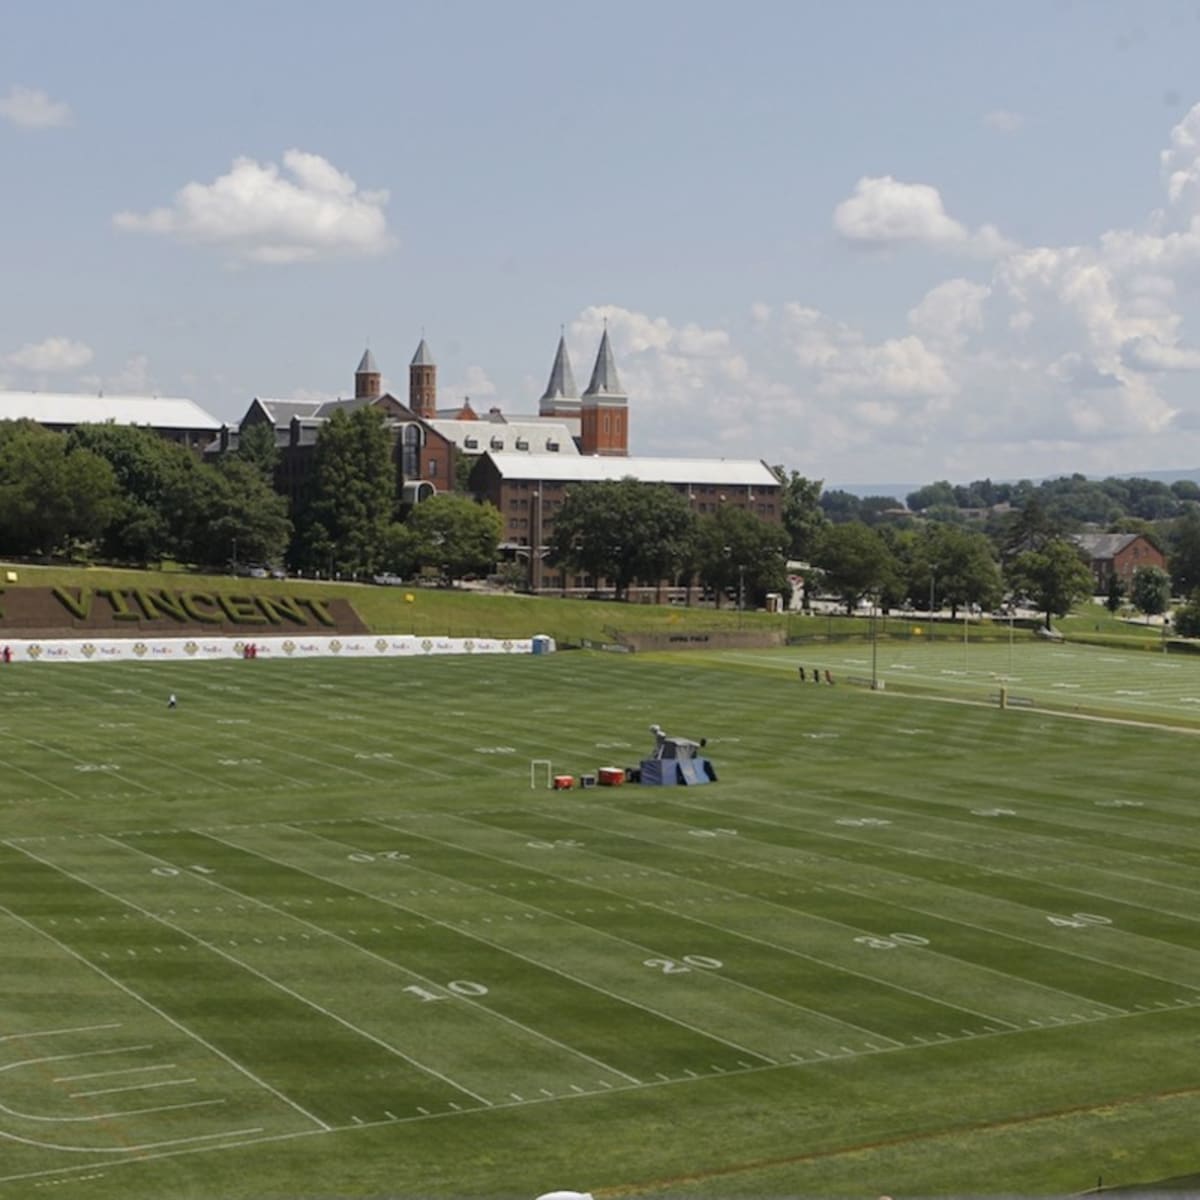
199, 649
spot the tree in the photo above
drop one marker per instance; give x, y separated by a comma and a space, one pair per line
1151, 591
235, 513
961, 566
1187, 618
1184, 560
1116, 593
803, 516
1054, 577
51, 493
840, 505
156, 492
258, 449
623, 530
939, 494
740, 553
352, 496
856, 562
455, 535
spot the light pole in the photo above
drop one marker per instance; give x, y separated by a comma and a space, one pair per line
932, 581
874, 647
235, 556
1012, 603
741, 591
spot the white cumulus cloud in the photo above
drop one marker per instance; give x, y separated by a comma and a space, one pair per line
884, 212
33, 109
54, 355
258, 213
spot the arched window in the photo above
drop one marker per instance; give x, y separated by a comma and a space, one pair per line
410, 452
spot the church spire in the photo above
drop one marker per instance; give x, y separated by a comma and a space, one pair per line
604, 407
604, 380
561, 397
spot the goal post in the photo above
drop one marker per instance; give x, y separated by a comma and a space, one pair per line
537, 765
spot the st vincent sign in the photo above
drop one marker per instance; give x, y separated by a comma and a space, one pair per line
161, 609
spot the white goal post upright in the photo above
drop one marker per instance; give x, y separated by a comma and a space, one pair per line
535, 764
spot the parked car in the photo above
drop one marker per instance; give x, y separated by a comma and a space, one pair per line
387, 580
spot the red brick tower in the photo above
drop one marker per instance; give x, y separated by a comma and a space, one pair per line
422, 383
604, 409
368, 383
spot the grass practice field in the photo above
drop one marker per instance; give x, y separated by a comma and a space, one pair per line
312, 933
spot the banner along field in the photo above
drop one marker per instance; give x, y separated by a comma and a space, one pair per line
312, 932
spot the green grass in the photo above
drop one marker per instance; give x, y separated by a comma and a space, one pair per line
312, 933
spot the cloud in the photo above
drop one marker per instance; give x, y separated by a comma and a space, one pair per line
30, 108
950, 312
1003, 120
257, 213
884, 212
52, 356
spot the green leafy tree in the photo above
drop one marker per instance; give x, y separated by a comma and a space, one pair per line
257, 448
235, 514
1150, 591
933, 495
856, 561
455, 535
1184, 560
153, 477
741, 554
803, 516
351, 500
961, 566
52, 494
1054, 577
1187, 618
839, 505
623, 530
1116, 593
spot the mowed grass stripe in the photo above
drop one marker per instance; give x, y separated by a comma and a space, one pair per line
776, 919
504, 910
819, 908
606, 1028
1020, 933
882, 1010
997, 868
316, 1062
302, 920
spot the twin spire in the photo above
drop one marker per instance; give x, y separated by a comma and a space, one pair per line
604, 381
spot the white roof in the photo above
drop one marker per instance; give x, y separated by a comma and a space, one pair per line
744, 472
508, 433
60, 408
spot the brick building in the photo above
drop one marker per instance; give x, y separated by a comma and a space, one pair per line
528, 489
1119, 554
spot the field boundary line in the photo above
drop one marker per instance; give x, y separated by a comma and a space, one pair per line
637, 1189
163, 1014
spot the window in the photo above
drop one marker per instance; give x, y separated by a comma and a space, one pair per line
471, 444
522, 444
497, 443
606, 422
552, 446
432, 473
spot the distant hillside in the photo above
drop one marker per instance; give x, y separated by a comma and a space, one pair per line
901, 490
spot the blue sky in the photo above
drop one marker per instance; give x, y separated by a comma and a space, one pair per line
873, 242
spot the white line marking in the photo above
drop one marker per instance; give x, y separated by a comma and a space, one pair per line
119, 1071
134, 1087
162, 1013
9, 1037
